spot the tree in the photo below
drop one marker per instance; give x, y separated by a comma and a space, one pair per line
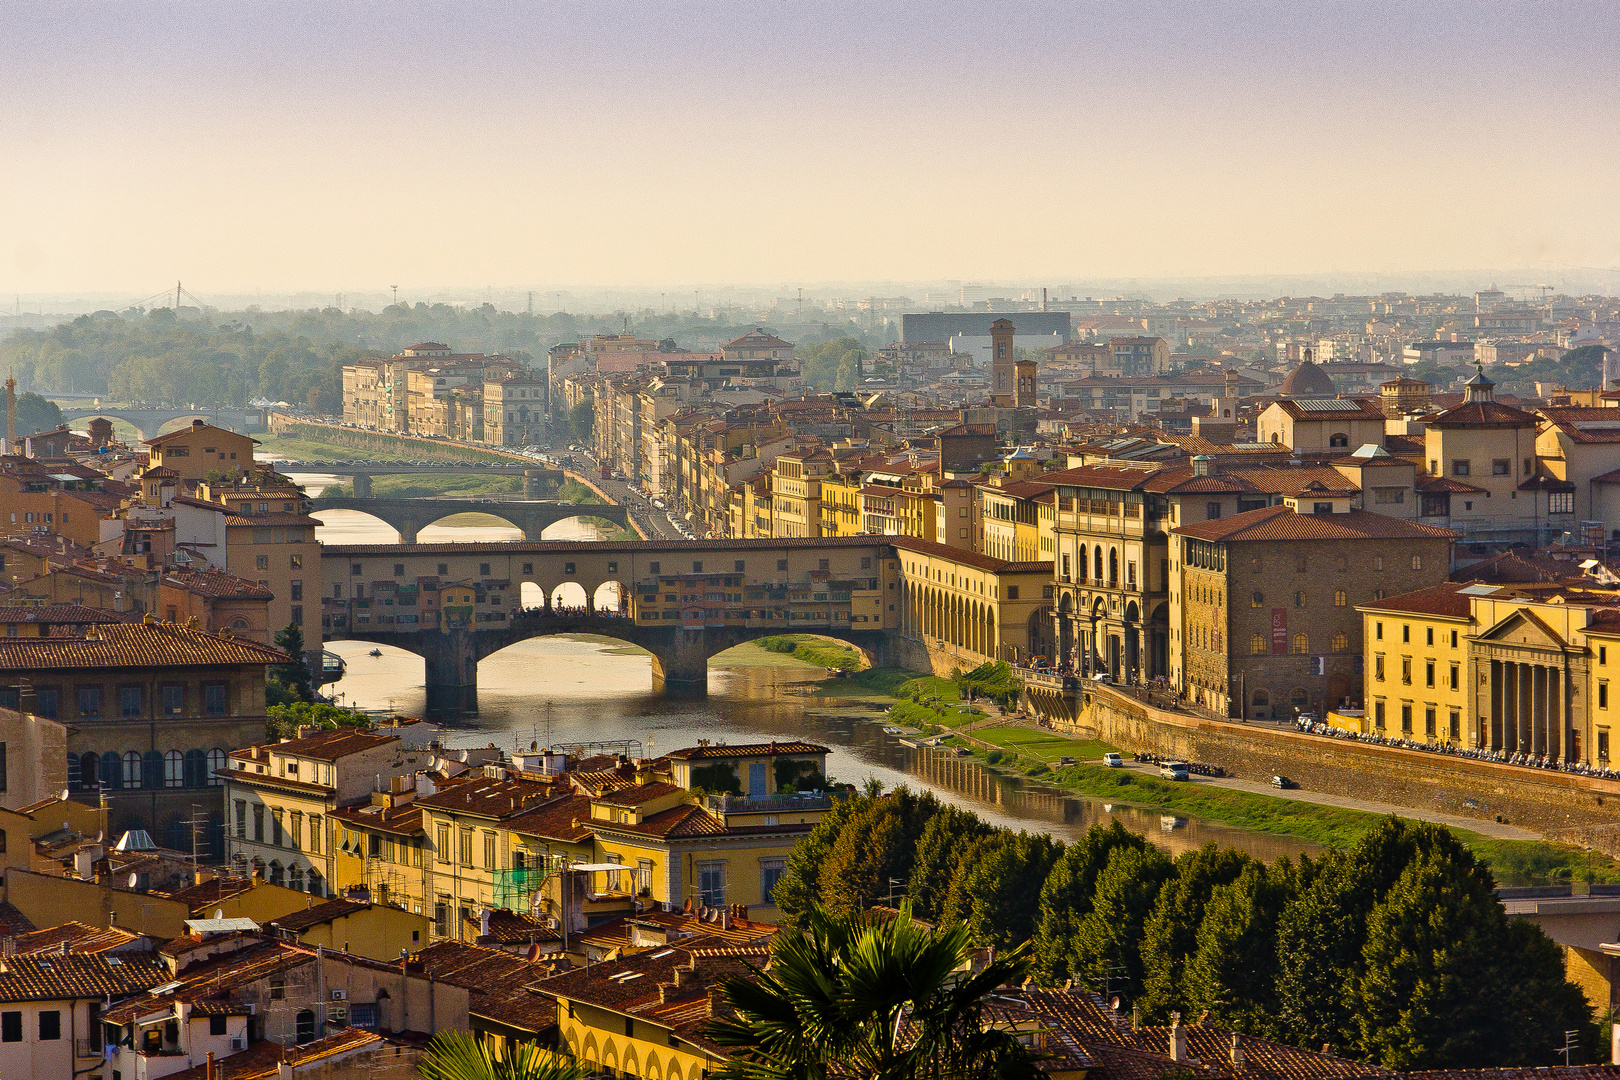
876, 848
1233, 973
35, 413
455, 1055
799, 887
290, 682
582, 418
283, 721
870, 996
1066, 896
945, 839
1171, 933
991, 894
1431, 995
1107, 946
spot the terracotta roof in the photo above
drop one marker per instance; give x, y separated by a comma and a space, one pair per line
316, 914
960, 555
280, 517
199, 897
1447, 601
722, 751
191, 429
678, 821
134, 645
13, 921
403, 820
512, 928
491, 797
1446, 483
326, 745
1482, 413
636, 794
55, 976
543, 547
1281, 523
60, 613
566, 819
1354, 409
1306, 381
217, 584
265, 1058
498, 982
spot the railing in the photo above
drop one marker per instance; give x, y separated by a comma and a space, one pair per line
1047, 679
739, 804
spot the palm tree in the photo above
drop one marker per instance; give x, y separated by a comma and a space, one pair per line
453, 1055
870, 997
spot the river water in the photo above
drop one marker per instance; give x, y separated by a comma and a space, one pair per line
565, 689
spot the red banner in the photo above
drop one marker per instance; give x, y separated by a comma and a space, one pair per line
1279, 630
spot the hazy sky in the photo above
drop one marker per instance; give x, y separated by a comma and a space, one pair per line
346, 145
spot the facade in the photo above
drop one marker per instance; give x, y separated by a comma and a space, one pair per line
1321, 425
1263, 604
150, 711
201, 449
966, 609
51, 1009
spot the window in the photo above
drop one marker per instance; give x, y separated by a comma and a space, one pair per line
295, 830
1456, 672
1459, 467
1299, 598
262, 562
11, 1027
1428, 674
442, 843
1338, 598
1603, 650
216, 1025
1378, 631
770, 872
1454, 725
1378, 715
216, 698
314, 838
1300, 563
239, 822
466, 847
174, 769
489, 851
275, 828
1603, 694
1302, 644
1378, 562
1257, 598
1406, 670
132, 769
1406, 632
1417, 562
1501, 466
129, 701
363, 1014
1257, 644
712, 883
1340, 642
1406, 719
258, 823
1212, 510
50, 1025
89, 701
1428, 722
303, 1025
1428, 633
1560, 502
174, 699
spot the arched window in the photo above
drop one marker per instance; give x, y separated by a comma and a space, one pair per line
173, 769
90, 770
317, 884
1302, 644
152, 770
195, 769
1261, 698
216, 762
295, 878
1338, 598
239, 624
257, 868
112, 771
1299, 697
1215, 640
1113, 566
277, 873
132, 769
1417, 562
1340, 642
1257, 598
1339, 440
1299, 598
1097, 563
1257, 644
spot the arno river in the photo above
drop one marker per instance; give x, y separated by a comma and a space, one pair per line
551, 690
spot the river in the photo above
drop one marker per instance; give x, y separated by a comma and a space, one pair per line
566, 689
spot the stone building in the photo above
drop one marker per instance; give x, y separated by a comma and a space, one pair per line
1263, 616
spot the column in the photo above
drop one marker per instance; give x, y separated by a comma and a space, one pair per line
1554, 714
1526, 710
1493, 737
1510, 706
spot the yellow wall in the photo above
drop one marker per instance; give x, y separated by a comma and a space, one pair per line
198, 451
261, 903
596, 1037
1402, 639
379, 932
51, 901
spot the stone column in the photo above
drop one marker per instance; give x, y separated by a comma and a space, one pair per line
1555, 714
1526, 711
362, 487
1510, 706
1493, 735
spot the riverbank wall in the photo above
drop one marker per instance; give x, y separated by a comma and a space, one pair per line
1575, 809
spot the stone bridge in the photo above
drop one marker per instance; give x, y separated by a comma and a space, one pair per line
681, 600
680, 654
534, 476
410, 516
149, 421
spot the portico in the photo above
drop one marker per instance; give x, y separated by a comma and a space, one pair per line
1527, 681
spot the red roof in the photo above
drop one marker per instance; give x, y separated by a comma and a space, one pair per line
1281, 523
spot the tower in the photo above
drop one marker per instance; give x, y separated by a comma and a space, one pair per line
1003, 372
11, 413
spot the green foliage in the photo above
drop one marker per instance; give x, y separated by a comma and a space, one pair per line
1171, 933
822, 652
1233, 973
35, 413
946, 839
798, 775
1577, 368
834, 994
291, 681
582, 419
876, 847
1106, 950
832, 365
284, 720
991, 893
1066, 895
717, 778
455, 1055
990, 680
799, 887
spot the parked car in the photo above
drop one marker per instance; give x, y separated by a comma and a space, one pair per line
1113, 760
1065, 761
1174, 770
1102, 677
1284, 783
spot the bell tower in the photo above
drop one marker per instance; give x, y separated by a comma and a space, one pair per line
1003, 372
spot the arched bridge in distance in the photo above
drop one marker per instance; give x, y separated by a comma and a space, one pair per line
149, 421
410, 516
684, 600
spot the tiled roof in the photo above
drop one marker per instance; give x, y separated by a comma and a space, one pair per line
59, 613
280, 517
298, 921
55, 976
566, 819
498, 982
1483, 413
544, 547
217, 584
490, 797
329, 745
199, 897
636, 794
134, 645
712, 753
1446, 483
512, 928
402, 820
161, 439
13, 921
78, 938
960, 555
1446, 601
265, 1058
1281, 523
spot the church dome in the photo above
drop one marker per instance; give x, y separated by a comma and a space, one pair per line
1307, 381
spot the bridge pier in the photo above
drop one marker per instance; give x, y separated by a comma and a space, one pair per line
451, 662
407, 532
682, 663
533, 488
362, 490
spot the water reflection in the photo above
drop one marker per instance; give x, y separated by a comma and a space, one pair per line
550, 690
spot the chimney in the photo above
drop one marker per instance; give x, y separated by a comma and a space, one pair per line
716, 999
1237, 1051
1178, 1039
8, 946
664, 990
1136, 1018
208, 1069
483, 923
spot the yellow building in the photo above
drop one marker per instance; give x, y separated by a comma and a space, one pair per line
1013, 521
200, 449
1416, 664
841, 503
796, 493
380, 931
967, 608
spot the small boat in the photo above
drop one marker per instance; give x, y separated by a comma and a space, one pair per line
374, 652
837, 672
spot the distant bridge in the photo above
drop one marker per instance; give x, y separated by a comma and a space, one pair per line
361, 472
410, 516
149, 421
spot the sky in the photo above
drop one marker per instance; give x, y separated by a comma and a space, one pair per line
348, 145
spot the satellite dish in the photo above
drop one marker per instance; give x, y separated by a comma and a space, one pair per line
1113, 1003
64, 795
134, 879
532, 953
219, 913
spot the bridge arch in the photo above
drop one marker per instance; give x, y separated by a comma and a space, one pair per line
327, 516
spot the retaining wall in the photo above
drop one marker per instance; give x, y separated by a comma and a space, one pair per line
1544, 801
